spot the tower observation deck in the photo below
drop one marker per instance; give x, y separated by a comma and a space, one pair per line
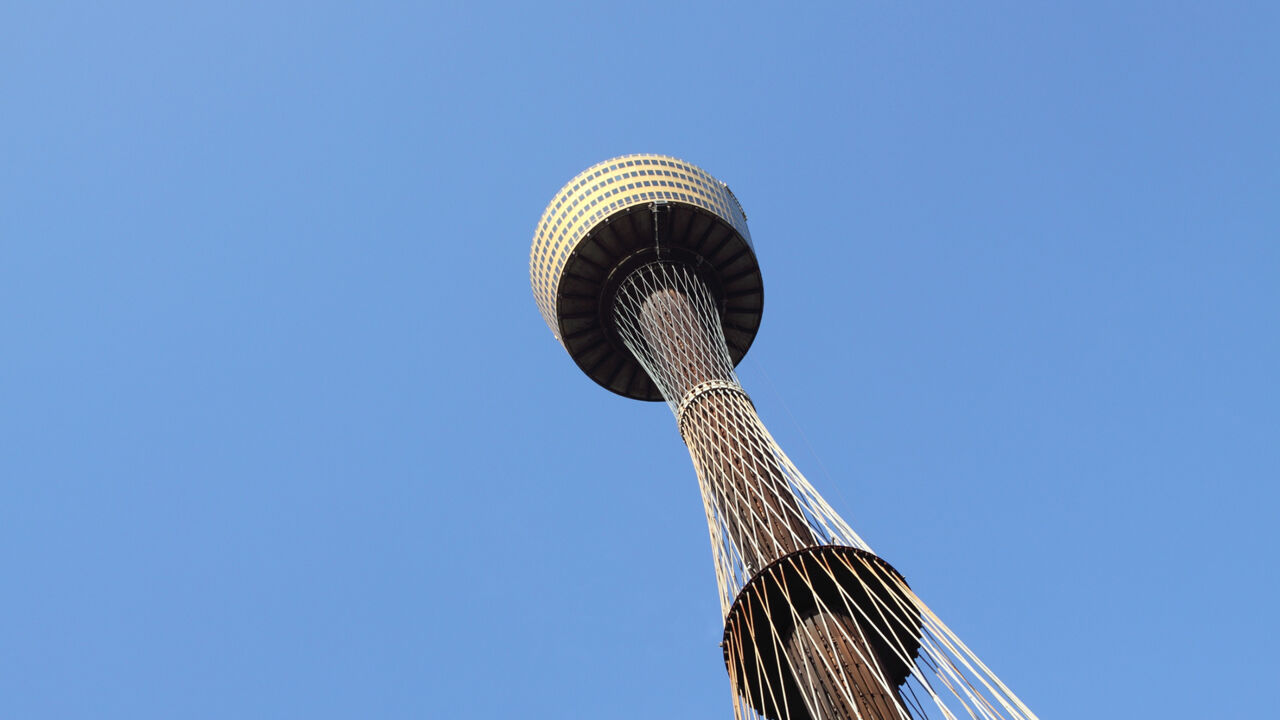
644, 269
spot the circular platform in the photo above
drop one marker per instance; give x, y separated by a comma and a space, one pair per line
618, 216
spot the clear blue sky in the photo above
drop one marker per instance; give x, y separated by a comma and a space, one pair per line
282, 434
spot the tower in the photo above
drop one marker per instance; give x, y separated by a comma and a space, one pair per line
644, 270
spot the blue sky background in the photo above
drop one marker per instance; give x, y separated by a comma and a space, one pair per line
283, 435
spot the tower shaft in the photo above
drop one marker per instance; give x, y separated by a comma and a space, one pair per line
720, 427
668, 319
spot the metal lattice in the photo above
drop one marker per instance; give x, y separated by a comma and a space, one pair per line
816, 625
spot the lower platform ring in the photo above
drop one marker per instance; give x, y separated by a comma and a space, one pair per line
786, 582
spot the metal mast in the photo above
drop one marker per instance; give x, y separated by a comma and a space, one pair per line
644, 269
